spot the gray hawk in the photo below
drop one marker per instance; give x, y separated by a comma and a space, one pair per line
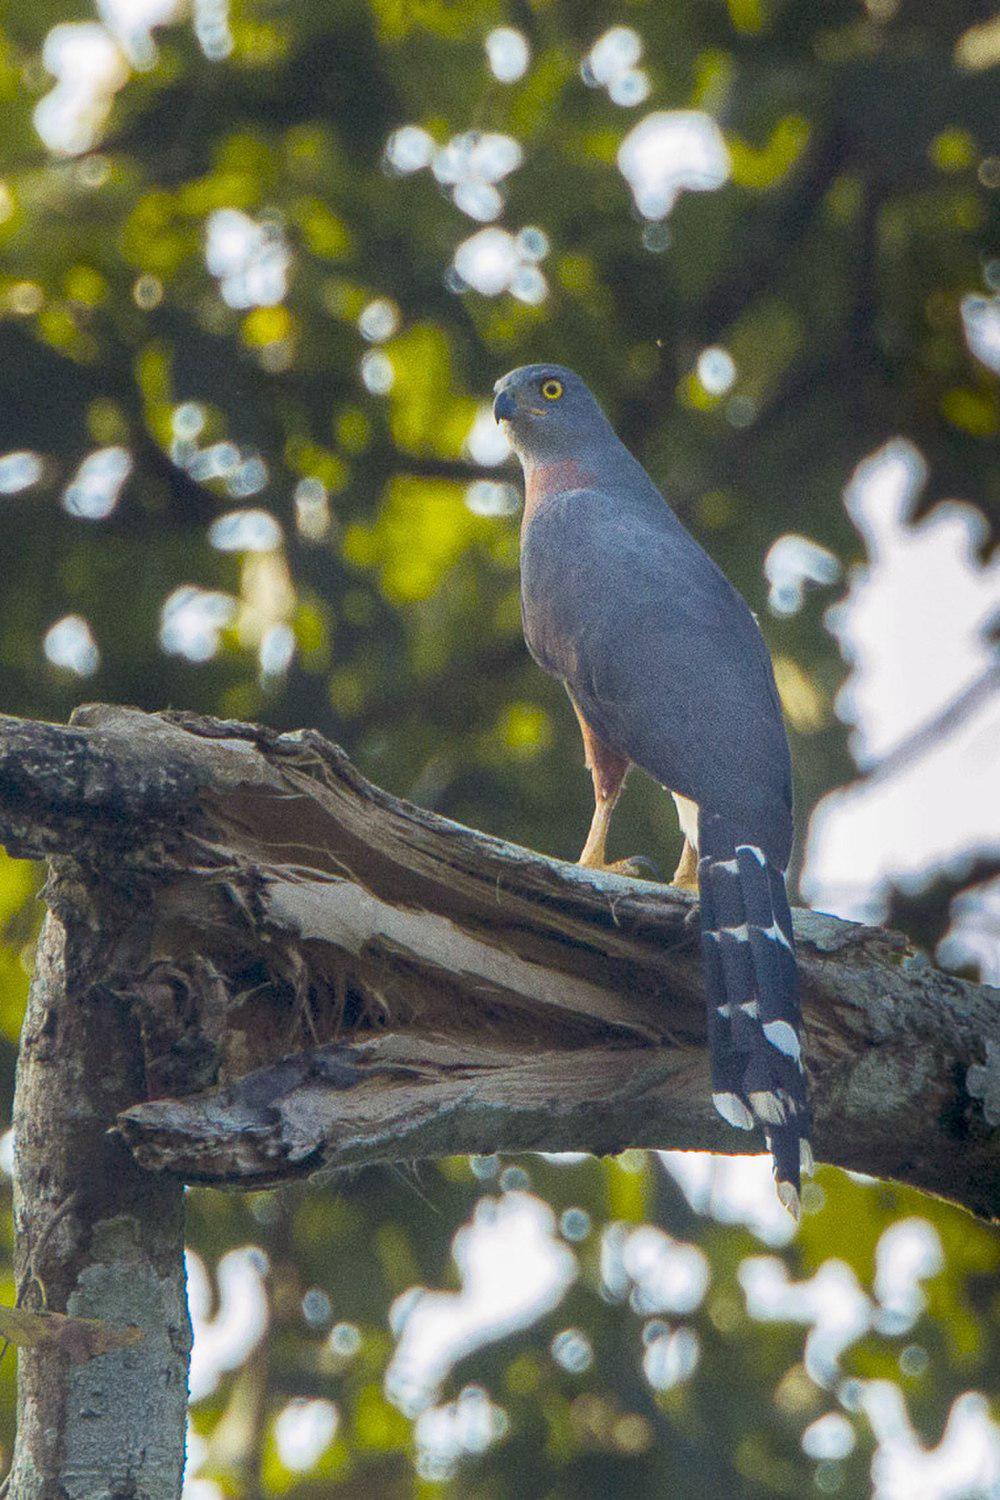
667, 670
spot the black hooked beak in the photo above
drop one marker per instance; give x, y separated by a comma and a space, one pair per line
505, 406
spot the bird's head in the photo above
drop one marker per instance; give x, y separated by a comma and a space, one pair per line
547, 412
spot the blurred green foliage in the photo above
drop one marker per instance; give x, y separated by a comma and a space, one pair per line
831, 267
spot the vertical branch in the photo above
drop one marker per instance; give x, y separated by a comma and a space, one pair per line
96, 1236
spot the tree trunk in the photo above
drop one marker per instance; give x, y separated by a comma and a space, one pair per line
96, 1237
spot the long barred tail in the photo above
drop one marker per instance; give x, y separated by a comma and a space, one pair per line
752, 987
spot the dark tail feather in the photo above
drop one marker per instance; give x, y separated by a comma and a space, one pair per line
751, 983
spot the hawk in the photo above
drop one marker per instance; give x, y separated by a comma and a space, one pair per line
667, 670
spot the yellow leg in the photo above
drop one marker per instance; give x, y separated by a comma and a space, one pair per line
686, 873
592, 854
593, 857
609, 770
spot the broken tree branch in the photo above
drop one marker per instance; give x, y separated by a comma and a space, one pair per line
323, 975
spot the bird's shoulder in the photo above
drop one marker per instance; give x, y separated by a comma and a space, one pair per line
626, 541
588, 522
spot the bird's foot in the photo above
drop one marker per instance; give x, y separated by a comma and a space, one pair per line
637, 867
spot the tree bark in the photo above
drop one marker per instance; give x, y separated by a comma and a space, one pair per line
96, 1236
324, 975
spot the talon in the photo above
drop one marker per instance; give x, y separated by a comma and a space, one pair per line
639, 867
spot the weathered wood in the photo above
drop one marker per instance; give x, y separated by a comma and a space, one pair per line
891, 1043
333, 976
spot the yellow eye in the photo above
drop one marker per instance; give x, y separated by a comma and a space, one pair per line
552, 389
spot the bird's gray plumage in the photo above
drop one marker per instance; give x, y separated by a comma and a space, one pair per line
666, 664
623, 605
